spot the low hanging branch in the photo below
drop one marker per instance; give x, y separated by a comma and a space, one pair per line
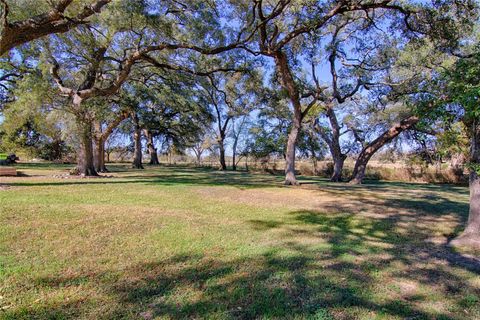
17, 33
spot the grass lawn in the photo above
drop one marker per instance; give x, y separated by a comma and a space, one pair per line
173, 243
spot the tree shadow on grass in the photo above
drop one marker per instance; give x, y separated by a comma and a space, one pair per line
268, 286
170, 177
323, 266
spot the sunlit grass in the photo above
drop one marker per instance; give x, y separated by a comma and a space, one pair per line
173, 243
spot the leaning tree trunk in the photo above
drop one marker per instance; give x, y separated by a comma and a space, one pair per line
369, 150
137, 140
151, 148
361, 165
471, 235
85, 164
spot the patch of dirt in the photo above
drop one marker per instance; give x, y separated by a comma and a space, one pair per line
300, 199
407, 287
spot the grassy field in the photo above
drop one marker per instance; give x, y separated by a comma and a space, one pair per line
174, 243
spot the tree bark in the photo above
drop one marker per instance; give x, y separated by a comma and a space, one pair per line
85, 164
137, 140
198, 154
334, 146
290, 178
288, 83
151, 148
234, 154
100, 155
101, 138
471, 235
221, 146
338, 163
370, 149
315, 165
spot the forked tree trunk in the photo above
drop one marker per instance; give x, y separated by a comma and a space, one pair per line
137, 140
151, 148
471, 235
369, 150
85, 164
101, 138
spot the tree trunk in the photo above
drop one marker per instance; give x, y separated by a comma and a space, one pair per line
151, 148
290, 178
315, 165
101, 138
369, 150
223, 163
338, 162
288, 83
137, 139
100, 155
234, 154
335, 147
199, 158
85, 164
471, 235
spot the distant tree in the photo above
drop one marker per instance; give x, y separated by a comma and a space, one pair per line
95, 62
239, 132
229, 95
203, 144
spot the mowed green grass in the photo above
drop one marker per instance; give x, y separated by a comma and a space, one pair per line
174, 243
